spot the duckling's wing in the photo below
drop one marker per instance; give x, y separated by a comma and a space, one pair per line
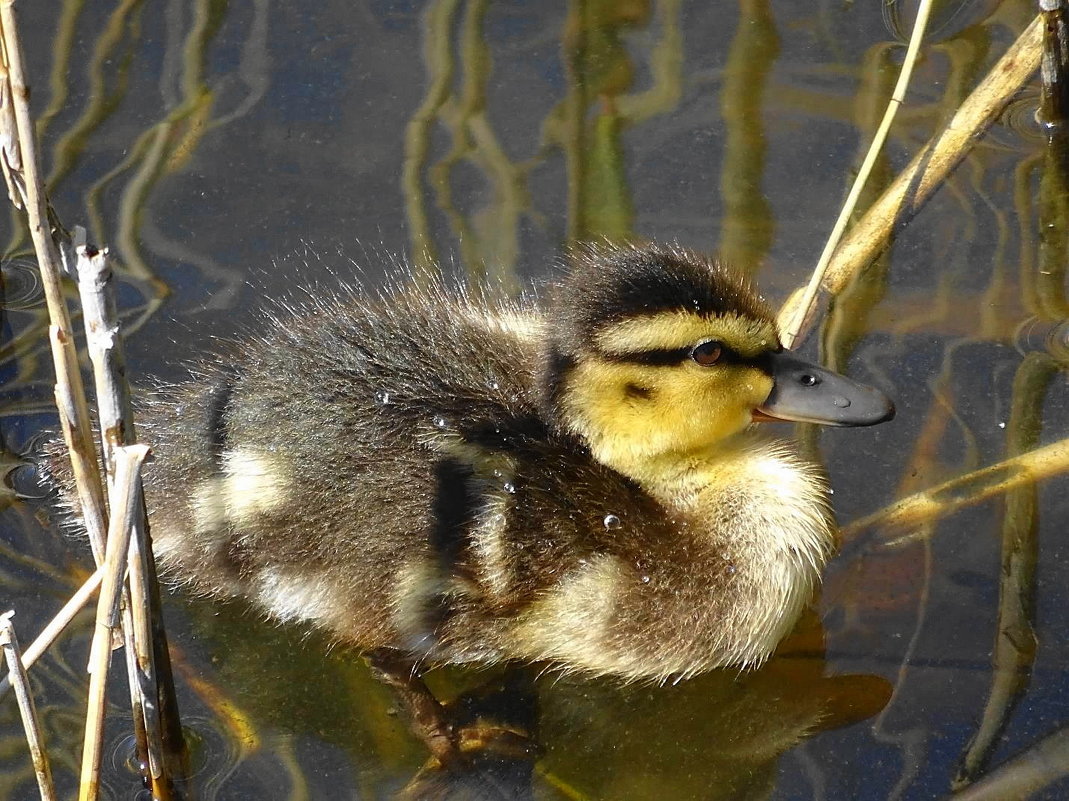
306, 469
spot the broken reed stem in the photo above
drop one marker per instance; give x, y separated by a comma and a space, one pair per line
105, 352
126, 501
27, 709
794, 319
146, 643
70, 393
151, 684
56, 626
928, 169
910, 513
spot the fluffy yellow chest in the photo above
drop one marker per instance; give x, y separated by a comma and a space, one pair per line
764, 533
752, 494
767, 511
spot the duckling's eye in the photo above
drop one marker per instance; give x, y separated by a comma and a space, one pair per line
707, 353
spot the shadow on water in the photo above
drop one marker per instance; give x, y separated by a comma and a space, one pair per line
229, 152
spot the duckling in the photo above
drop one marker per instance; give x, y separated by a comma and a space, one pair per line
462, 481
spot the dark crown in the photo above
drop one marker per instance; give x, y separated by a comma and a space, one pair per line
608, 284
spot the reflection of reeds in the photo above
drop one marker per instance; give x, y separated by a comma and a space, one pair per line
922, 177
747, 226
848, 315
793, 325
587, 126
489, 243
438, 59
56, 626
113, 46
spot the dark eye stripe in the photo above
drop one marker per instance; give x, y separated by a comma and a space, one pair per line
655, 358
670, 357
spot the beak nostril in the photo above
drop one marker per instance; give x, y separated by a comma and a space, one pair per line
807, 380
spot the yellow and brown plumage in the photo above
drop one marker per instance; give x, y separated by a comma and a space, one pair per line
468, 482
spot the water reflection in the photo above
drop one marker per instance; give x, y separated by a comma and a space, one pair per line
720, 735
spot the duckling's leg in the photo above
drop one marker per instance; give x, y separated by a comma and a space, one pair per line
457, 735
428, 718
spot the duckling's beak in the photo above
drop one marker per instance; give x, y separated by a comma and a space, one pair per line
808, 393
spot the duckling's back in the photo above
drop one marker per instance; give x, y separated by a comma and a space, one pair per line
308, 469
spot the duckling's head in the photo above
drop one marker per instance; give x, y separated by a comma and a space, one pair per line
661, 353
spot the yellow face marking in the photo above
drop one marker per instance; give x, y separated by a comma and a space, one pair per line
681, 329
681, 409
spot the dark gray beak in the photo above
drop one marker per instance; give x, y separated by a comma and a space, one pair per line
807, 393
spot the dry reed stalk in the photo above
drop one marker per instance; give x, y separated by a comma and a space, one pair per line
927, 171
20, 681
126, 500
105, 352
104, 345
151, 683
56, 626
70, 393
794, 319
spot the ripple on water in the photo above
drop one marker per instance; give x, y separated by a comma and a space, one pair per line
1019, 126
1050, 336
21, 286
946, 20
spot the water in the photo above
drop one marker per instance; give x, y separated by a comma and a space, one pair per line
228, 153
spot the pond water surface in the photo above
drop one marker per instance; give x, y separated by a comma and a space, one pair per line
229, 152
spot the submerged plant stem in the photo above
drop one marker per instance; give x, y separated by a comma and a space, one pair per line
1014, 649
900, 520
1026, 774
